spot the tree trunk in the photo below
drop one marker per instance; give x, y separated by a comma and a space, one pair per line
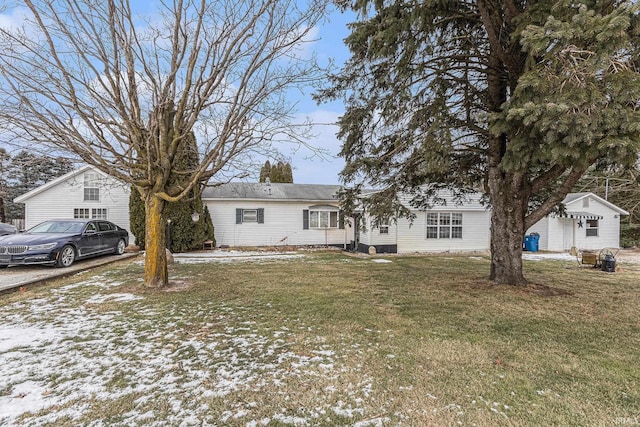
155, 260
507, 233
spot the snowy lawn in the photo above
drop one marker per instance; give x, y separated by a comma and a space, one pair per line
322, 339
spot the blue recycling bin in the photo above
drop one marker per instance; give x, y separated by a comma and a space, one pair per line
531, 242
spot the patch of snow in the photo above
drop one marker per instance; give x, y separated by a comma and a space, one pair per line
381, 261
61, 357
374, 422
537, 256
233, 256
99, 299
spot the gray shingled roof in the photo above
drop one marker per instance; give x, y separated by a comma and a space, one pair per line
273, 191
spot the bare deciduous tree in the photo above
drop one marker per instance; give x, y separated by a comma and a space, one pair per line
121, 90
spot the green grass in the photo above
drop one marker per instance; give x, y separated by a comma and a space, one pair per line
423, 340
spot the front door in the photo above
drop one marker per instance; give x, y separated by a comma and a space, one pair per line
567, 233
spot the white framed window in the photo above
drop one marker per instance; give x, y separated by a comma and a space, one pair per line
93, 213
81, 213
592, 227
99, 213
250, 215
444, 225
91, 187
323, 219
384, 229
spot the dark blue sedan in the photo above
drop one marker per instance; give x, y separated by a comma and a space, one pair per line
61, 242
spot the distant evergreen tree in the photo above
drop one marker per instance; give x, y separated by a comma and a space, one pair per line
185, 234
4, 188
274, 175
26, 171
279, 172
265, 171
287, 173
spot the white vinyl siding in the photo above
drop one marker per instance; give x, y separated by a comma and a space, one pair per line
66, 200
283, 224
560, 233
472, 227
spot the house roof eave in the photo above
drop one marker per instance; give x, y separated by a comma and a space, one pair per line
582, 196
26, 196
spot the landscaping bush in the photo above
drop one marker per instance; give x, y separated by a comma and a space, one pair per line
629, 235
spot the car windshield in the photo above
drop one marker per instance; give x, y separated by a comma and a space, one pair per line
58, 227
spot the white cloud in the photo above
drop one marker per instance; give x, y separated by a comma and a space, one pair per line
14, 18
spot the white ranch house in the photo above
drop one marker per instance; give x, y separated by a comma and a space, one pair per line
263, 214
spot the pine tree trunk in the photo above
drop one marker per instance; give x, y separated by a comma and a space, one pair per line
507, 233
155, 261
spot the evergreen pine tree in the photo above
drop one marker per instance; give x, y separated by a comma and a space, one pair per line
514, 99
287, 173
26, 171
274, 175
185, 234
265, 171
136, 217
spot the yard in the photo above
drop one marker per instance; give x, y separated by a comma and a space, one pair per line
324, 339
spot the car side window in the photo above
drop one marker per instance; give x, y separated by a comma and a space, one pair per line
104, 226
91, 227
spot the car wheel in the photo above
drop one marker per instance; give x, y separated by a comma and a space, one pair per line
120, 247
66, 256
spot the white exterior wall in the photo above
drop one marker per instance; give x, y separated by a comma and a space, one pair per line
556, 236
475, 234
560, 233
608, 227
371, 235
283, 225
542, 228
59, 201
365, 237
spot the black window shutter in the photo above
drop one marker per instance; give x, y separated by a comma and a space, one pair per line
341, 220
238, 216
260, 215
305, 219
